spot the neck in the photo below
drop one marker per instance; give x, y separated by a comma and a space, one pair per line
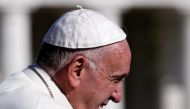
75, 100
48, 70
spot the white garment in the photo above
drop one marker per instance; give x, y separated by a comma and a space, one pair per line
25, 90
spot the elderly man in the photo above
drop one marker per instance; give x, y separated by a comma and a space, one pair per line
81, 64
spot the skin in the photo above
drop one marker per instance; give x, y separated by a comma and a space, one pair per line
90, 87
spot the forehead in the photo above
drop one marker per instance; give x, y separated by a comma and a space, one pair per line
117, 59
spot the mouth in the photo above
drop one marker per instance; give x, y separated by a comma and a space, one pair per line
103, 104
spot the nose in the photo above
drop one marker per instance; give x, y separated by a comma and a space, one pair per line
117, 94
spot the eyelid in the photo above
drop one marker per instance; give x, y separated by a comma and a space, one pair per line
121, 77
117, 79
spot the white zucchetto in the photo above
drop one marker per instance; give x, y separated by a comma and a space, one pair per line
83, 28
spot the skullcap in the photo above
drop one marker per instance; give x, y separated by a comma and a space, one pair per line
83, 28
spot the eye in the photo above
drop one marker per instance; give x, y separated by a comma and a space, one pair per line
117, 79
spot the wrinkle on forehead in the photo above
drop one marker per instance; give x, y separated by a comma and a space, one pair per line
117, 51
112, 58
118, 48
115, 57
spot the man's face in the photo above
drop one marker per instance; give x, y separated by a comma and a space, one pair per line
104, 83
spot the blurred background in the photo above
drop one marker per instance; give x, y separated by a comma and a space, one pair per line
158, 34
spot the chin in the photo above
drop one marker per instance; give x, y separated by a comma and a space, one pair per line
98, 107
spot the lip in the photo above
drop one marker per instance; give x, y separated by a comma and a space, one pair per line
103, 104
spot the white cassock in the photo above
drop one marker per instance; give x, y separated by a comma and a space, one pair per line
25, 90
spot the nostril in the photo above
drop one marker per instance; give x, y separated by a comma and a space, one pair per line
115, 100
116, 96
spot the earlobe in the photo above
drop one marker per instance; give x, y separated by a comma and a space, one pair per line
75, 69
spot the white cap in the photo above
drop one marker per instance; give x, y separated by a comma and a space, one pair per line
83, 28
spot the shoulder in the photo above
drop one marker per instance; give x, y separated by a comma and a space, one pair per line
20, 92
15, 90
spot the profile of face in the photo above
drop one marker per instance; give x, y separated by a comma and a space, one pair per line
105, 82
100, 80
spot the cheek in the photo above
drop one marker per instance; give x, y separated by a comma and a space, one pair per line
98, 84
103, 89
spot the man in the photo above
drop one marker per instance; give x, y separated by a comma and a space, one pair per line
81, 64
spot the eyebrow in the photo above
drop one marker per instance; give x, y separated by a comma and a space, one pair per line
120, 76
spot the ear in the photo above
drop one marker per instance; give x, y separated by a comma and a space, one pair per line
75, 70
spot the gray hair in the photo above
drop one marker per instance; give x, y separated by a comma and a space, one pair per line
56, 57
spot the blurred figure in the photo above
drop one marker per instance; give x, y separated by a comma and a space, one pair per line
81, 64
